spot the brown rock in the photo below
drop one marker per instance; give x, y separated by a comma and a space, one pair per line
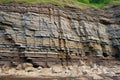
30, 69
25, 65
19, 67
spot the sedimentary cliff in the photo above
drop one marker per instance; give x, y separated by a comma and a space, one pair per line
51, 28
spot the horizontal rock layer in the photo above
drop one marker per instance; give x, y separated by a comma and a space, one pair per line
44, 27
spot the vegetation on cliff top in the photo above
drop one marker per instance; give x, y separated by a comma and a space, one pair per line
73, 3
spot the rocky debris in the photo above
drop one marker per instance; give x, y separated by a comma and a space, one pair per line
97, 72
116, 70
24, 66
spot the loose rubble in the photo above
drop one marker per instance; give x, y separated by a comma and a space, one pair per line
97, 72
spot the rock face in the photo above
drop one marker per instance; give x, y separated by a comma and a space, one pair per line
51, 28
113, 29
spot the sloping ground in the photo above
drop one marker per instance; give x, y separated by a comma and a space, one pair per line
72, 3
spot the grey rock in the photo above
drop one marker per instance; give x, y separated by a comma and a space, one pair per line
40, 27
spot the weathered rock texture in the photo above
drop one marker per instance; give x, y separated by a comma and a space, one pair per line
97, 72
51, 28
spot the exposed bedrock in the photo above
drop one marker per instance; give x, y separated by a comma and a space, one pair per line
51, 28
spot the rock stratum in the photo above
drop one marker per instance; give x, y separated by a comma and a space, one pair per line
52, 29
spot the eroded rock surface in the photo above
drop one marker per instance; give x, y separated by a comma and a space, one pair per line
38, 29
43, 27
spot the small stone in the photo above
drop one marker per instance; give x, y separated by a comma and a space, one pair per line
95, 66
111, 74
39, 68
82, 63
104, 70
67, 71
70, 67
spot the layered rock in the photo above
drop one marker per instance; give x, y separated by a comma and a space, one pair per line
113, 28
51, 28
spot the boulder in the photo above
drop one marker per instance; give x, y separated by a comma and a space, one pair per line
21, 72
46, 71
104, 70
0, 70
25, 65
94, 76
67, 71
6, 67
39, 68
107, 78
82, 78
19, 67
97, 77
95, 66
57, 69
111, 74
70, 68
82, 63
97, 71
30, 69
12, 71
85, 69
